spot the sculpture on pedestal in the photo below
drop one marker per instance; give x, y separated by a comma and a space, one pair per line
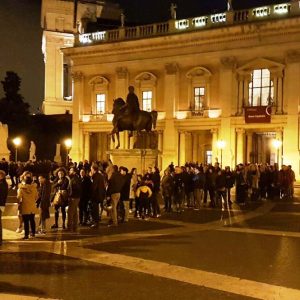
128, 116
32, 151
4, 152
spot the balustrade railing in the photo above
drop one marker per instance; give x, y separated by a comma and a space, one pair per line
198, 23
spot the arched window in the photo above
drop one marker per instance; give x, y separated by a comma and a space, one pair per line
261, 89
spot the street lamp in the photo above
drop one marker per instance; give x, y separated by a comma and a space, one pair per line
221, 145
277, 144
68, 144
17, 142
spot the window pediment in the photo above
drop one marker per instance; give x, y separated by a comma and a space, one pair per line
198, 73
260, 63
99, 82
146, 78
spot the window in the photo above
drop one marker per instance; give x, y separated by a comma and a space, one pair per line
100, 104
260, 88
199, 98
147, 100
67, 83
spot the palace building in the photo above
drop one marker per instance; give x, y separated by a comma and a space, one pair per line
226, 86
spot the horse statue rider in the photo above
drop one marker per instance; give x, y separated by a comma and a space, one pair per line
129, 116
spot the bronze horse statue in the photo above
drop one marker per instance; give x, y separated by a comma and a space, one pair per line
124, 120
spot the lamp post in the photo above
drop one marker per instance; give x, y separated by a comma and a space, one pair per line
17, 142
221, 145
68, 144
277, 144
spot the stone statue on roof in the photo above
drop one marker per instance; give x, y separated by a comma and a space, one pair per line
32, 151
173, 11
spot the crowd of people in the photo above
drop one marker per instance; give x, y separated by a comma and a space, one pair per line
98, 187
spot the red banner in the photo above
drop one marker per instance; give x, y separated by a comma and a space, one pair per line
258, 114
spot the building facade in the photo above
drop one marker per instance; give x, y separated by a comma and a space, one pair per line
226, 86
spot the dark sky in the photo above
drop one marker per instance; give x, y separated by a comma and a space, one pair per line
21, 35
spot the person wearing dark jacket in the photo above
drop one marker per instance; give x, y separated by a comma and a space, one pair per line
125, 192
178, 189
43, 202
167, 187
86, 187
210, 185
115, 185
221, 195
156, 190
229, 183
3, 198
198, 183
61, 185
97, 194
74, 197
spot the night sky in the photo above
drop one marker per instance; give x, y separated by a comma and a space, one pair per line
21, 35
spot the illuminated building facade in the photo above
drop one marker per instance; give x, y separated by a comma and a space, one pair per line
225, 84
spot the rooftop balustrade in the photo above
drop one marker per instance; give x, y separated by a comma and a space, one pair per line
227, 18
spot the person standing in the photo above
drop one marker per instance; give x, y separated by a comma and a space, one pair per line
74, 197
167, 187
44, 202
97, 194
198, 184
3, 198
115, 185
86, 185
27, 195
125, 192
61, 185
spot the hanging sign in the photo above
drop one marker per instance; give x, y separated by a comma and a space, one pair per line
258, 114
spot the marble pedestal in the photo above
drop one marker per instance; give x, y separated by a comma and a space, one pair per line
134, 158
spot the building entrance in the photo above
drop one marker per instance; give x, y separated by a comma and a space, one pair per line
260, 147
195, 146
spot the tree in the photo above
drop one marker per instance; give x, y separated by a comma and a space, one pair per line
13, 110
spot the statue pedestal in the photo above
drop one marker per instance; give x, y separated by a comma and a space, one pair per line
134, 158
4, 152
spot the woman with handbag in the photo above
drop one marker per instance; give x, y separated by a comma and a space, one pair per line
60, 200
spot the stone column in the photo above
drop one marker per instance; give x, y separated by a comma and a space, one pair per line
86, 146
121, 82
182, 147
194, 146
279, 154
249, 147
170, 140
188, 147
160, 149
76, 151
240, 145
214, 148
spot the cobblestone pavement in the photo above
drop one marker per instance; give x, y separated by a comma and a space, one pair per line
249, 252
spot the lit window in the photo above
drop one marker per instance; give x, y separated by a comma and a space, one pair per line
199, 98
100, 104
260, 88
147, 100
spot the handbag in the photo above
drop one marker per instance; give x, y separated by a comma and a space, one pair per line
57, 200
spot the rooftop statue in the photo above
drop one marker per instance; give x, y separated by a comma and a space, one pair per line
129, 116
173, 11
32, 151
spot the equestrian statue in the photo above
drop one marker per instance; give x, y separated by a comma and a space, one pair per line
129, 116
